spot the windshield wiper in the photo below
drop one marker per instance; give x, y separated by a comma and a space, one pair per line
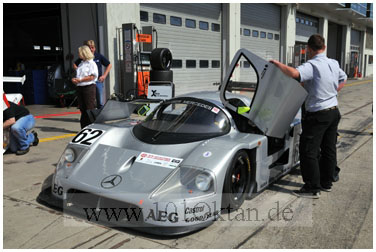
176, 122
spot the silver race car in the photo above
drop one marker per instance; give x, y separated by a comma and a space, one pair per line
192, 157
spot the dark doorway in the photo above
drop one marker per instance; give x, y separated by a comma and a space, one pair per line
334, 43
32, 36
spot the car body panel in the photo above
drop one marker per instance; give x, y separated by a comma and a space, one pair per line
277, 98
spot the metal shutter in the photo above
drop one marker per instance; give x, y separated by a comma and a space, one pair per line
305, 27
189, 43
261, 18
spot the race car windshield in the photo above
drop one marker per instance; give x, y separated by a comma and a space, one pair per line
182, 121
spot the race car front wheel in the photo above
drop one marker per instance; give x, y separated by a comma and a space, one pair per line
236, 183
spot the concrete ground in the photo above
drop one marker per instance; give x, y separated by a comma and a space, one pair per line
342, 218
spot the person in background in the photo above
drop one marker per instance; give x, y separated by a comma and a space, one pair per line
322, 78
20, 122
100, 60
87, 75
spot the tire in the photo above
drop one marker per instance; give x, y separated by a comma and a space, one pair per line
236, 184
161, 75
161, 59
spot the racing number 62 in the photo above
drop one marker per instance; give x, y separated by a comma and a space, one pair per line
87, 136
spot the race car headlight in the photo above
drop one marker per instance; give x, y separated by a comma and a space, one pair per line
69, 155
186, 182
203, 181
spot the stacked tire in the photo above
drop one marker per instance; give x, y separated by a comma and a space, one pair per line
161, 61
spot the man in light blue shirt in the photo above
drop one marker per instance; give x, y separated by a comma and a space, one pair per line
322, 78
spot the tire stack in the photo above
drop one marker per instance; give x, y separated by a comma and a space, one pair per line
161, 61
161, 86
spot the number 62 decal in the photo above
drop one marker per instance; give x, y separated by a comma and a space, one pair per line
87, 136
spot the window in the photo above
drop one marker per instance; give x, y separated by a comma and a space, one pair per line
204, 25
204, 63
302, 21
370, 59
190, 23
246, 64
255, 33
216, 27
262, 34
297, 20
190, 64
270, 35
159, 18
177, 64
307, 22
241, 30
216, 63
310, 23
175, 21
247, 32
144, 16
276, 36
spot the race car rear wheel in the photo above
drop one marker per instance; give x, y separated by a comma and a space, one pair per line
236, 183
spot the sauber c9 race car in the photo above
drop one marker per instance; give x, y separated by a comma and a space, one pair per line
192, 156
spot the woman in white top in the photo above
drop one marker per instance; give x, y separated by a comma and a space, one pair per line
87, 75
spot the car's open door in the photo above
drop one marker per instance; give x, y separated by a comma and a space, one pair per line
276, 98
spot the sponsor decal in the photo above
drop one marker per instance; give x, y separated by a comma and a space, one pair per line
198, 104
162, 216
192, 210
207, 154
158, 160
58, 190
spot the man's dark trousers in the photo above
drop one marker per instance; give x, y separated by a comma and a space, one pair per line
318, 155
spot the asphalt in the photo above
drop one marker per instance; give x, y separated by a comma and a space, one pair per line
342, 218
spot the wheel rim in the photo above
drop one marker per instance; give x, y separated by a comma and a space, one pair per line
238, 179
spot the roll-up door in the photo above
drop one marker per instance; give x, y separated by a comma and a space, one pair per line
193, 34
306, 26
260, 31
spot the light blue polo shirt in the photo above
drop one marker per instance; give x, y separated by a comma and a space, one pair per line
321, 77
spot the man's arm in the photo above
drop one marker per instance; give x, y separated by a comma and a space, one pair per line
289, 71
9, 122
104, 76
74, 66
341, 85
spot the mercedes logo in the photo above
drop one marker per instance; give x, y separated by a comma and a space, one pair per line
111, 181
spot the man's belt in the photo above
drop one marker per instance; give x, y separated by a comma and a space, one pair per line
327, 109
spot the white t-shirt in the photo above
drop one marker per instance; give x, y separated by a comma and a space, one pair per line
87, 68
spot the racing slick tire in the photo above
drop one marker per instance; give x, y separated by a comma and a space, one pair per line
161, 59
161, 75
236, 185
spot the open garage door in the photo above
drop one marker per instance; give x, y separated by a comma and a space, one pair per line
193, 34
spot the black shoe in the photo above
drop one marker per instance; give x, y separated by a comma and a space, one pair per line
306, 193
36, 139
336, 174
326, 188
22, 152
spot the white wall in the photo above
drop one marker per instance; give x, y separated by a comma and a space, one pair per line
118, 14
288, 27
369, 67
